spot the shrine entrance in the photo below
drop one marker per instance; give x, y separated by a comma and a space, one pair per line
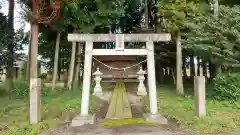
119, 39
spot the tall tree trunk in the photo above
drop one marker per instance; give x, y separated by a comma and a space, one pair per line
27, 74
77, 67
205, 70
10, 46
71, 67
184, 67
198, 66
192, 66
215, 8
179, 78
55, 69
218, 69
172, 72
34, 52
146, 15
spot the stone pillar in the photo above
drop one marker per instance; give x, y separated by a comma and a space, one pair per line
199, 92
151, 78
84, 117
141, 87
153, 116
35, 100
98, 88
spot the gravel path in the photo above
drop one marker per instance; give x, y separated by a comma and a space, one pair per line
123, 130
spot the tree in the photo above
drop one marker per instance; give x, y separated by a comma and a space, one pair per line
3, 39
95, 15
216, 38
175, 12
10, 45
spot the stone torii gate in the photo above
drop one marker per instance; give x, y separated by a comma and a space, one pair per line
84, 117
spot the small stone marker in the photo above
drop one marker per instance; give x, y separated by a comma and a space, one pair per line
199, 93
35, 100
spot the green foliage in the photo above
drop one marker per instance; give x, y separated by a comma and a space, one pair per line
28, 129
215, 39
43, 76
123, 122
56, 108
21, 90
3, 39
226, 87
176, 12
85, 16
181, 110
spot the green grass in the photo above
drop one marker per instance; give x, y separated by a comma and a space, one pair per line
132, 121
57, 107
221, 117
62, 105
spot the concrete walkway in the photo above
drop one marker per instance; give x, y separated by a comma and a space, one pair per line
123, 130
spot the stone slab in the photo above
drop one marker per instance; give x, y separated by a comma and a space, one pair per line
83, 120
156, 118
200, 95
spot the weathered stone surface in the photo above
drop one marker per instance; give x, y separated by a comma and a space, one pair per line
74, 37
82, 120
35, 100
199, 92
157, 118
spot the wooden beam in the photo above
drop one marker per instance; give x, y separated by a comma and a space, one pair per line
74, 37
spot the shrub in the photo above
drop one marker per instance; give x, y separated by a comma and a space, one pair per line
226, 87
43, 76
21, 89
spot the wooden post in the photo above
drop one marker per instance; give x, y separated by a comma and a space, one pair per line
35, 100
71, 67
199, 92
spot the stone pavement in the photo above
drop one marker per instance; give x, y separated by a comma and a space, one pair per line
123, 130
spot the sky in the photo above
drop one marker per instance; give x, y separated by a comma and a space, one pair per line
18, 22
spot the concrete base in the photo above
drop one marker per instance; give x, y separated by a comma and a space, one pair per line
157, 118
82, 120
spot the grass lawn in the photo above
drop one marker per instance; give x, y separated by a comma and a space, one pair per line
221, 117
57, 108
61, 106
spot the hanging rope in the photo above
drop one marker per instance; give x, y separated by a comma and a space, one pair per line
115, 68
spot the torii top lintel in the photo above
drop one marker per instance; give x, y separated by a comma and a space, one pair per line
74, 37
